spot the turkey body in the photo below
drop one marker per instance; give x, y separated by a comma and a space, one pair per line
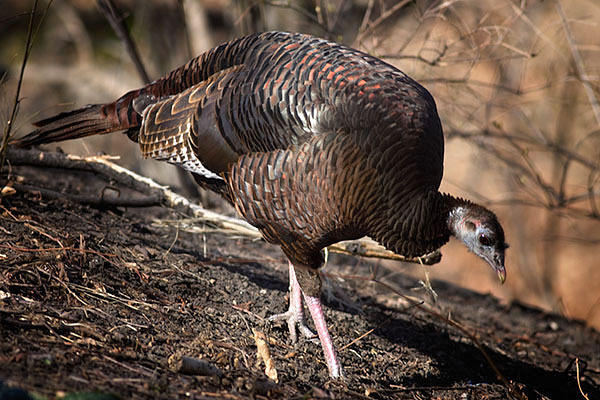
311, 141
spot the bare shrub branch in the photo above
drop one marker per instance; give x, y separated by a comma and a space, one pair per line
15, 105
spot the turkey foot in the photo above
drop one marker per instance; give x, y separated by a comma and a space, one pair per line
294, 316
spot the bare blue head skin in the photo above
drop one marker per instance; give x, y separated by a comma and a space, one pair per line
479, 229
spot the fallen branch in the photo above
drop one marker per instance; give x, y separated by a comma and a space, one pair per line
99, 201
163, 195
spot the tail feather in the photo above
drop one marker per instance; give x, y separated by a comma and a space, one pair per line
90, 120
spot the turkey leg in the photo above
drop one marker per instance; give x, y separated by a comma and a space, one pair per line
294, 316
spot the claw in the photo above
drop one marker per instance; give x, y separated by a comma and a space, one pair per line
295, 319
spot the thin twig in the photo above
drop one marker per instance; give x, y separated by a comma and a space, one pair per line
336, 16
138, 370
172, 243
290, 4
367, 333
544, 143
397, 389
15, 106
367, 16
585, 396
116, 22
75, 249
382, 18
585, 80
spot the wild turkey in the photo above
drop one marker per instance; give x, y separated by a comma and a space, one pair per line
312, 142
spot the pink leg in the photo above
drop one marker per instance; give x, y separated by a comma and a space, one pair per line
314, 306
295, 317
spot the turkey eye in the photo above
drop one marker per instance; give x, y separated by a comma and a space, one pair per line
485, 240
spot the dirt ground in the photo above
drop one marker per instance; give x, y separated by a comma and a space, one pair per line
106, 300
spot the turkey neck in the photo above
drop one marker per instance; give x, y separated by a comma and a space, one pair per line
415, 227
421, 225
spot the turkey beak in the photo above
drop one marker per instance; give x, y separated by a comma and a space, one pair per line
497, 264
501, 271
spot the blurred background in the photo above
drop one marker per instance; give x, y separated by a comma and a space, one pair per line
516, 83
